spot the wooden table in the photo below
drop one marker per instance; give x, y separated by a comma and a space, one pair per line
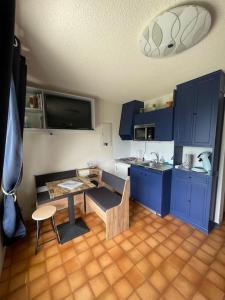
75, 227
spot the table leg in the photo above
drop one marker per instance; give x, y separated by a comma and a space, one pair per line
71, 209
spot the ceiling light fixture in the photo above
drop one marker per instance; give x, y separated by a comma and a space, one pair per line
175, 30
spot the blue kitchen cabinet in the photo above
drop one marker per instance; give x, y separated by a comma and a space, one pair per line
129, 109
151, 188
190, 198
183, 114
163, 120
196, 111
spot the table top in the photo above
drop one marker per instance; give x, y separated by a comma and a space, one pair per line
56, 191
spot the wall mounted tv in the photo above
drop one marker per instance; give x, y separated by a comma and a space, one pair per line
68, 112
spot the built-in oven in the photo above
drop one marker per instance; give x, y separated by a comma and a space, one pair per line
144, 132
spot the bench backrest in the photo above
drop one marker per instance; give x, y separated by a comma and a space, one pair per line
114, 181
41, 180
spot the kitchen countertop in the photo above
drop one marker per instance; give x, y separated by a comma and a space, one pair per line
145, 164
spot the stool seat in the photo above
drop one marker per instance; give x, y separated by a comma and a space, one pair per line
43, 213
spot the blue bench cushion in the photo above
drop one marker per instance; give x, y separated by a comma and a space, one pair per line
43, 197
104, 198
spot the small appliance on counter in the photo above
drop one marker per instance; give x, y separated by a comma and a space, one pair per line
205, 158
188, 162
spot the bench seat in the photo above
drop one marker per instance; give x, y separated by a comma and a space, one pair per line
104, 198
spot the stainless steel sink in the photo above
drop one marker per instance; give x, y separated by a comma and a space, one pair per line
156, 166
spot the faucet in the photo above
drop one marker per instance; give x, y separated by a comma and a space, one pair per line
157, 157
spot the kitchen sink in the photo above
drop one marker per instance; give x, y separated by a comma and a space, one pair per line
156, 166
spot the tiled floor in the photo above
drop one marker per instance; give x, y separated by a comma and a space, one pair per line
155, 259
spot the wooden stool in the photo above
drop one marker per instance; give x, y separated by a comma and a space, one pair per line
41, 214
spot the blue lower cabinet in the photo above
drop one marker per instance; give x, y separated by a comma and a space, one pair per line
151, 188
190, 198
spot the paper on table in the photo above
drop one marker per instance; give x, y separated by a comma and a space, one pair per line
70, 184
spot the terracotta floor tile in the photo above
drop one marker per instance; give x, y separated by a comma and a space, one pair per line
17, 281
85, 257
19, 267
92, 269
112, 273
53, 262
134, 296
36, 259
115, 252
189, 247
159, 236
108, 294
19, 294
38, 286
99, 284
36, 271
184, 286
176, 238
56, 275
204, 257
193, 240
210, 291
72, 265
208, 249
125, 264
68, 254
81, 247
108, 244
44, 296
159, 281
216, 279
84, 292
142, 234
183, 254
52, 250
191, 274
163, 251
198, 265
77, 279
123, 288
135, 277
176, 262
144, 248
135, 239
218, 267
170, 244
3, 288
155, 259
135, 255
126, 245
171, 293
61, 290
198, 296
98, 250
168, 270
146, 291
145, 267
92, 241
105, 260
152, 242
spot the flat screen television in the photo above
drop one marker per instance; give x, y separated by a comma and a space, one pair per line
64, 112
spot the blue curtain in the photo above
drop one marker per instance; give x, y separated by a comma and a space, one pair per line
13, 226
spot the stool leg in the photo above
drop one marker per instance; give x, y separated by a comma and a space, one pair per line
37, 236
54, 228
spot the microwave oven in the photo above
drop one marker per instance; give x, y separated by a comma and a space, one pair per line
144, 132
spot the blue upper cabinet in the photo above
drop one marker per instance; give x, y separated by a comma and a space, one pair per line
129, 110
163, 120
196, 111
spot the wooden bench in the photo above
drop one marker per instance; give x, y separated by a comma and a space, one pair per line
110, 202
43, 197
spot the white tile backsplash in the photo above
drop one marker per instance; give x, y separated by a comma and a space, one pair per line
164, 149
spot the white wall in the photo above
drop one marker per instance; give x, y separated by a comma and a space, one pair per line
65, 150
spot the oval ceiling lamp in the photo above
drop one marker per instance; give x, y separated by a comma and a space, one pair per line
175, 30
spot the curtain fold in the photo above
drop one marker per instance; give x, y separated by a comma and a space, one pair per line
13, 73
7, 20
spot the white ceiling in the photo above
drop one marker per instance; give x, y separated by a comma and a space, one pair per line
90, 47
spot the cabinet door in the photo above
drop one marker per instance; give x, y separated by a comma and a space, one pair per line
134, 178
180, 195
154, 191
205, 111
199, 198
164, 124
127, 119
183, 115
